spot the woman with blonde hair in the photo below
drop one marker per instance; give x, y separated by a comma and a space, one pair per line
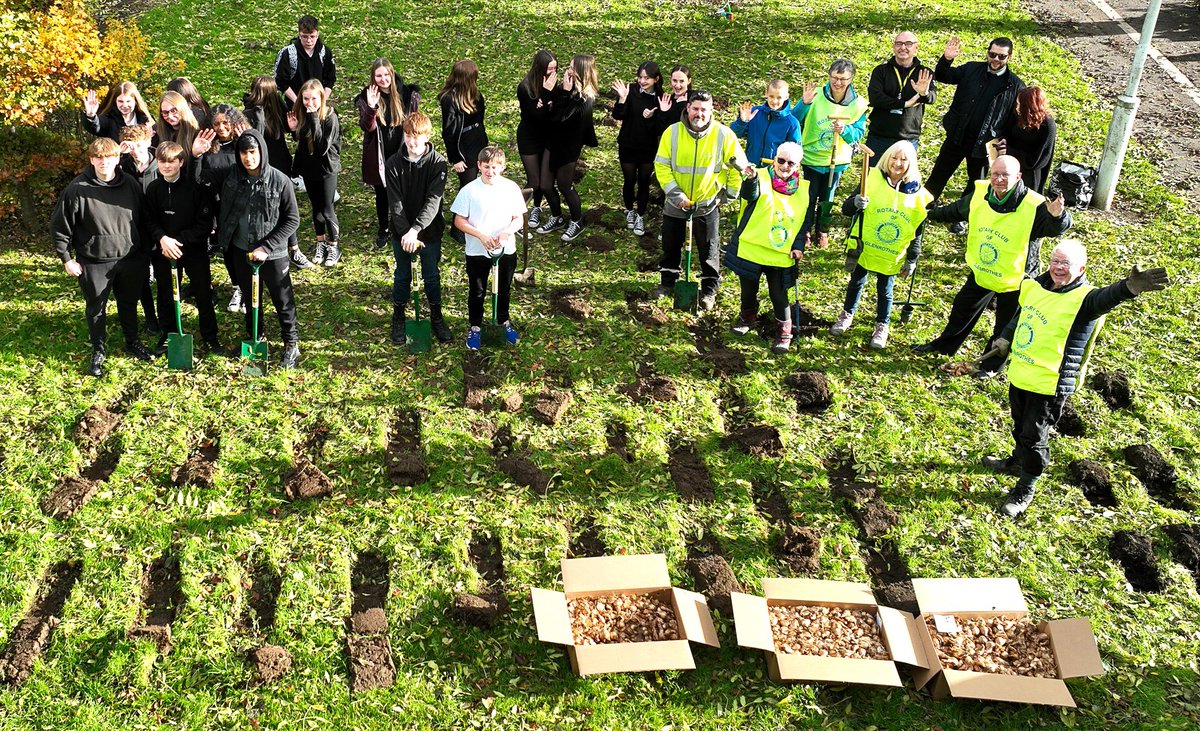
382, 106
318, 161
122, 107
200, 107
176, 123
891, 217
571, 127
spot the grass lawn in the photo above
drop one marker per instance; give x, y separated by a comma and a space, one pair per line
915, 433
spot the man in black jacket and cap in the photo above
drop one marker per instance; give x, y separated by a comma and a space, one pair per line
97, 232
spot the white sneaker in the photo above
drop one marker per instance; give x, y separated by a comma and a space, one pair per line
842, 323
235, 301
879, 337
318, 256
629, 217
333, 254
639, 226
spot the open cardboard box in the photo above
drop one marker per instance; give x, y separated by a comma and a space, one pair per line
899, 630
633, 575
1074, 646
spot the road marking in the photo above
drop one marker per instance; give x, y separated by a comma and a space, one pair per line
1185, 84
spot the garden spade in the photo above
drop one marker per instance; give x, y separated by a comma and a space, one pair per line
825, 207
906, 311
493, 332
254, 350
527, 277
179, 346
686, 291
418, 334
852, 254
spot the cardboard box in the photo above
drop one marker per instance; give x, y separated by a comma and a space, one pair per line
899, 631
633, 575
1071, 640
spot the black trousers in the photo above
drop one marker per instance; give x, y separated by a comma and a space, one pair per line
706, 246
382, 213
195, 263
968, 307
949, 157
276, 276
478, 270
775, 290
322, 189
123, 279
1033, 414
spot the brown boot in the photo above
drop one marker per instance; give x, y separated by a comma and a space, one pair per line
783, 339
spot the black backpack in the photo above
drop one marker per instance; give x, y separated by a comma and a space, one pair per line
1076, 183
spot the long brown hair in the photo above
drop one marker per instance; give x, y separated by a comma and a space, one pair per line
462, 86
184, 86
584, 66
1033, 108
302, 116
390, 114
532, 83
126, 88
188, 126
264, 93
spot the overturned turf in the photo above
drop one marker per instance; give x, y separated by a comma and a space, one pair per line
758, 440
162, 598
404, 456
94, 428
799, 548
550, 405
306, 481
1135, 553
73, 492
368, 651
1185, 547
1070, 423
1095, 481
31, 636
586, 541
770, 501
811, 391
262, 599
270, 663
477, 382
483, 608
690, 475
616, 436
1158, 476
1113, 388
200, 467
571, 303
712, 577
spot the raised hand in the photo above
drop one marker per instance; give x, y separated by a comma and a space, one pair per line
293, 122
203, 142
810, 92
924, 79
1055, 207
953, 48
240, 129
91, 104
1146, 280
373, 96
664, 102
746, 111
551, 80
622, 89
568, 80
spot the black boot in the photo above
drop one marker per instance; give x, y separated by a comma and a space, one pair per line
438, 323
398, 319
1020, 496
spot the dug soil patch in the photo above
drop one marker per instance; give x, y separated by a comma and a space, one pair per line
270, 663
616, 435
805, 324
199, 468
598, 244
31, 636
367, 647
484, 608
1135, 553
645, 311
691, 478
476, 610
586, 541
306, 481
550, 405
263, 598
1070, 423
650, 388
770, 502
799, 548
712, 577
162, 598
94, 427
1157, 475
1185, 547
404, 456
811, 390
477, 383
71, 494
711, 346
486, 555
571, 303
1113, 389
525, 473
370, 662
1093, 478
758, 440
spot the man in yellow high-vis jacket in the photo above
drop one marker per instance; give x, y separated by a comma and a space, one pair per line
1048, 344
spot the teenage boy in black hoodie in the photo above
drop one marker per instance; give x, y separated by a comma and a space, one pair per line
99, 216
306, 57
258, 215
416, 183
178, 219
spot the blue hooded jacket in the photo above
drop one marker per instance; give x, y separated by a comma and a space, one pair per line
766, 131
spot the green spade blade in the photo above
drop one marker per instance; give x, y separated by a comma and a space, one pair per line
179, 352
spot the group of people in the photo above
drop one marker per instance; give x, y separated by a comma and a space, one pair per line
223, 180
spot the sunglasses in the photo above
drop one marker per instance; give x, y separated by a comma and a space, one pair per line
781, 161
997, 56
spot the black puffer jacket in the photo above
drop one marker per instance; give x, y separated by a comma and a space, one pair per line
1096, 303
978, 89
269, 202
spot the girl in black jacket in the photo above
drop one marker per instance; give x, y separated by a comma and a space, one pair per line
571, 127
1032, 136
463, 132
637, 142
535, 97
318, 161
382, 106
123, 107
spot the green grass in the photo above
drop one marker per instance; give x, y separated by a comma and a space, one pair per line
916, 433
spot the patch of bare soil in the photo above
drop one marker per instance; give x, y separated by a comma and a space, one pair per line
1095, 481
367, 647
1070, 423
31, 636
617, 438
1185, 548
770, 502
94, 427
483, 609
199, 468
758, 440
586, 541
477, 382
72, 492
550, 405
1135, 553
405, 458
650, 387
162, 598
1159, 477
270, 662
598, 244
306, 481
690, 475
570, 303
710, 344
712, 577
1113, 389
811, 390
262, 598
799, 548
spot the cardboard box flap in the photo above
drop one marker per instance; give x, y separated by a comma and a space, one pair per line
694, 618
632, 657
1012, 688
818, 590
751, 621
608, 573
837, 670
900, 634
1074, 647
550, 616
947, 596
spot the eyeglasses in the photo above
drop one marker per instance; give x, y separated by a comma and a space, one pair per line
904, 44
997, 56
1060, 263
170, 112
781, 161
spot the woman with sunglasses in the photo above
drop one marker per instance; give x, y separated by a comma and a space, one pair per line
769, 242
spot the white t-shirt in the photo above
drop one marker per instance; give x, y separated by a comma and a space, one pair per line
489, 208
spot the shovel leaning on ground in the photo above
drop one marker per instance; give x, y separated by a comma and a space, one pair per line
825, 207
254, 351
418, 333
527, 277
907, 305
179, 345
853, 254
493, 332
686, 291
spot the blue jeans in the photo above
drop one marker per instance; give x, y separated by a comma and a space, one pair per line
883, 289
819, 191
431, 276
